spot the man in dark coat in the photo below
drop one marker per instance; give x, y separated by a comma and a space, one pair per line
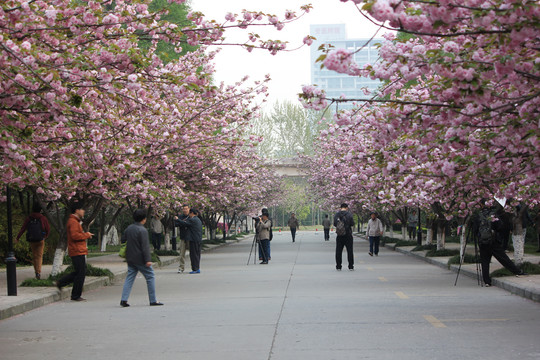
138, 258
346, 240
194, 237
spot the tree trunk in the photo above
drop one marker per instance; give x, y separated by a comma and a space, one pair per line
58, 261
518, 233
441, 234
403, 232
429, 236
462, 241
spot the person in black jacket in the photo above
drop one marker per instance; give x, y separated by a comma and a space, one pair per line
138, 258
344, 240
492, 245
194, 237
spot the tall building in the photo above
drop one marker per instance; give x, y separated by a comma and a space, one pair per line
336, 84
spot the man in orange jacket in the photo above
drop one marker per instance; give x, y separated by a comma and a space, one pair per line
77, 251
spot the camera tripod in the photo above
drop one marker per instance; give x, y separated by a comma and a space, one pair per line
476, 257
254, 246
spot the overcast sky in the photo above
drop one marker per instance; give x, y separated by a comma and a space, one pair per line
288, 70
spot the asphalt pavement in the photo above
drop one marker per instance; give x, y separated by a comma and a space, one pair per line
297, 307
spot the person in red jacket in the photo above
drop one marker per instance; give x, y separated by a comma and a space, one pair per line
37, 230
77, 251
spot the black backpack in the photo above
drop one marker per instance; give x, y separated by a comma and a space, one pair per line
485, 230
341, 228
34, 230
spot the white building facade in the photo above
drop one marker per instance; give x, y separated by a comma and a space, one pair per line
335, 84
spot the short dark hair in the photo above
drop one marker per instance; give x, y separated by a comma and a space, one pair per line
194, 211
185, 205
139, 215
76, 206
36, 207
344, 206
326, 215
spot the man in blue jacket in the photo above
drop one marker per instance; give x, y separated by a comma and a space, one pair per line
194, 237
138, 258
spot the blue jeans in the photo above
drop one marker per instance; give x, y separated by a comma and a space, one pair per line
374, 244
148, 274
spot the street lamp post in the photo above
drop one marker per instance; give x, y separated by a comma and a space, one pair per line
11, 261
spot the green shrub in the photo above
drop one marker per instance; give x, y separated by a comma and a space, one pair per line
527, 267
425, 247
467, 259
166, 252
51, 280
442, 252
155, 258
405, 243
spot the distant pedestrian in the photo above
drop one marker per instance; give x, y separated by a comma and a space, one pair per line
77, 251
156, 230
326, 223
37, 230
138, 258
293, 225
343, 219
412, 220
184, 244
374, 231
264, 225
194, 237
489, 229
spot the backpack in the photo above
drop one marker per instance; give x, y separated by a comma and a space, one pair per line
341, 229
485, 231
34, 230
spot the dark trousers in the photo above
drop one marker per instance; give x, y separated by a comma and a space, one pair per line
374, 244
495, 249
293, 233
264, 250
76, 277
156, 240
347, 242
327, 234
412, 232
195, 255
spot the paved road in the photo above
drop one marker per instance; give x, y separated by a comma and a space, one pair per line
297, 307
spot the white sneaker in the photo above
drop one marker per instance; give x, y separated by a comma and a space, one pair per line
180, 271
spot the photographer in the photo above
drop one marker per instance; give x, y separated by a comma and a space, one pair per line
263, 227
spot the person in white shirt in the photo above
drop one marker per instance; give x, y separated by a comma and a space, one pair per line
374, 232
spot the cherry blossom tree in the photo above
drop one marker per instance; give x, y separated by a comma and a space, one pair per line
457, 118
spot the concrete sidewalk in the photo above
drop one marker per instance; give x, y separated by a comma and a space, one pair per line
29, 298
525, 286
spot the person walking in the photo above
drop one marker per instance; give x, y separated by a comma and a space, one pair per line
293, 225
156, 229
138, 258
184, 244
37, 230
490, 228
343, 220
194, 236
326, 225
374, 232
77, 251
263, 235
412, 220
